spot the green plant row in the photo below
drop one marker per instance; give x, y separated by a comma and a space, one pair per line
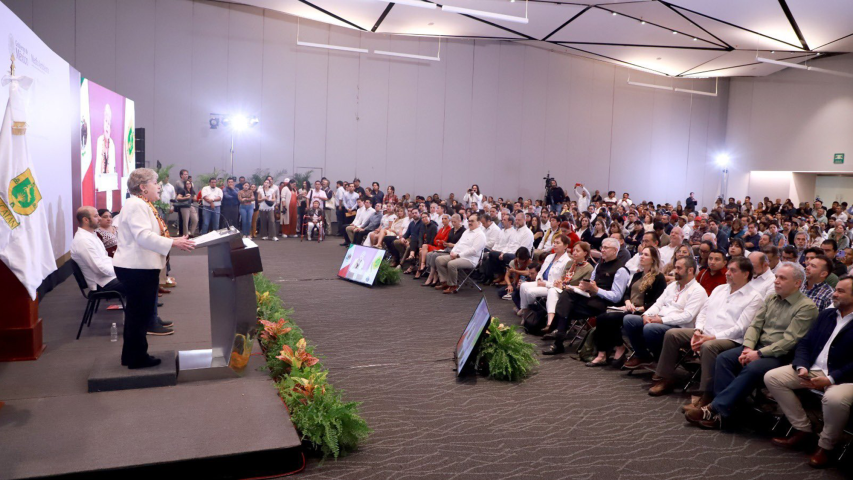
387, 275
318, 410
505, 354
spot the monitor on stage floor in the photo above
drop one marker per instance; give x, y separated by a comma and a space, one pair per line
361, 264
470, 337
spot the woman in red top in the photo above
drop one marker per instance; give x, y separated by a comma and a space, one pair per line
437, 245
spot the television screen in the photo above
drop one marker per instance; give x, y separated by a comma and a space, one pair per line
468, 340
361, 264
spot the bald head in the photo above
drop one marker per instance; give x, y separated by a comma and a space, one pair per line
87, 218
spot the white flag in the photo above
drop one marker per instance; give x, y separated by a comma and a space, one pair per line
24, 237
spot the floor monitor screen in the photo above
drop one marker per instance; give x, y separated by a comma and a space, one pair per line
361, 264
468, 341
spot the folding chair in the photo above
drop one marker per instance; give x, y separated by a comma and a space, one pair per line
687, 360
470, 271
321, 229
582, 325
93, 297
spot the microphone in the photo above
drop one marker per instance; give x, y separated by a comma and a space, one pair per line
228, 225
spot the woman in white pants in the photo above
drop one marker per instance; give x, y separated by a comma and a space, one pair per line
552, 269
578, 269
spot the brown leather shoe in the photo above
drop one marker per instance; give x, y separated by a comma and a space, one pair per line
453, 289
705, 417
821, 458
656, 378
441, 286
797, 439
637, 362
662, 388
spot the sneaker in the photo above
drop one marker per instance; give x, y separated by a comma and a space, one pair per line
160, 330
706, 417
164, 323
265, 238
507, 297
309, 239
275, 239
284, 236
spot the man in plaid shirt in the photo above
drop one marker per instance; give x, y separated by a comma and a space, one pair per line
815, 286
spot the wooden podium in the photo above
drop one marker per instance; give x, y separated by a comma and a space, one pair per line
20, 325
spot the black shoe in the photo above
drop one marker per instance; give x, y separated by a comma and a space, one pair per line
618, 362
160, 330
164, 323
345, 244
148, 362
549, 336
159, 304
554, 350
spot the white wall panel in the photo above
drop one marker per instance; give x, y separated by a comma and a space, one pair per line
456, 156
342, 107
277, 114
429, 137
372, 160
245, 85
484, 117
135, 27
96, 41
533, 128
311, 96
51, 22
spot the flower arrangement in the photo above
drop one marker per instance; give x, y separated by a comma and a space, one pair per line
326, 422
505, 352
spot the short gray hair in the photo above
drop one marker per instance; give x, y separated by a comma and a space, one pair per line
611, 242
798, 271
139, 177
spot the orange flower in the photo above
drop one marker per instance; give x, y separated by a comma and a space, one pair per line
299, 358
272, 330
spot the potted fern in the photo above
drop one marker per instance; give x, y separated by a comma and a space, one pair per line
387, 275
504, 354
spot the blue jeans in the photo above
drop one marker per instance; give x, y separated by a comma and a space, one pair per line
246, 212
211, 219
733, 382
646, 340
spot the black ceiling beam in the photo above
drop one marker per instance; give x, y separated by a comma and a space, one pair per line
716, 49
836, 40
382, 17
793, 22
567, 22
700, 27
746, 65
733, 25
655, 25
336, 17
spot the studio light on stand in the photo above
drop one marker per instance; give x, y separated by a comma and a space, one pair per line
235, 124
723, 160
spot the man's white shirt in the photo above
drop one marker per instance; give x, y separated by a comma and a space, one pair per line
90, 254
727, 315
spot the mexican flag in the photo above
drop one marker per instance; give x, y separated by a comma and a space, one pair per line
24, 238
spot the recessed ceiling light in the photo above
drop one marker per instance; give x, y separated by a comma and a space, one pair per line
772, 51
642, 22
613, 13
694, 39
674, 32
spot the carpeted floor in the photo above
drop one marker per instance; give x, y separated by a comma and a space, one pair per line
391, 348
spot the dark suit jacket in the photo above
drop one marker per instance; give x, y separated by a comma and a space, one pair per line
840, 360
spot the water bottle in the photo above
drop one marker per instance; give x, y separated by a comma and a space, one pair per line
113, 333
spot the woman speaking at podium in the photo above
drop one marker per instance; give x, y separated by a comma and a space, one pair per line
143, 242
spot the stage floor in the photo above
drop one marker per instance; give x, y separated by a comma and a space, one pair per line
391, 348
50, 425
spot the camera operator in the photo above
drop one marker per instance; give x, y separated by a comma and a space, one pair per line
554, 195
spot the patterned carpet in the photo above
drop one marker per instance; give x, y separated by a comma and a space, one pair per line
391, 348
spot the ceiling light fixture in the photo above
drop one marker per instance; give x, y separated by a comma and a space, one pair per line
481, 13
649, 85
415, 3
436, 58
674, 32
332, 47
642, 22
613, 13
805, 67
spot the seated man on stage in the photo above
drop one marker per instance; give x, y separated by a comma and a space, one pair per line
89, 253
605, 288
720, 325
678, 306
823, 361
551, 271
768, 343
465, 254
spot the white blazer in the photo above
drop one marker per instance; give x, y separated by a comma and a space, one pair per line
557, 269
140, 244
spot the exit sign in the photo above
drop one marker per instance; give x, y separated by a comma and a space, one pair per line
839, 158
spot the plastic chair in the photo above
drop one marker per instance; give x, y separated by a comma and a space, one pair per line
321, 229
93, 297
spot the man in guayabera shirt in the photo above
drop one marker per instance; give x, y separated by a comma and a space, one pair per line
769, 343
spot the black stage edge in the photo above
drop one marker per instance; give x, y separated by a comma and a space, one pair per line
108, 375
259, 464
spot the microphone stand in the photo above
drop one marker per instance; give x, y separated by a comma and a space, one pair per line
228, 225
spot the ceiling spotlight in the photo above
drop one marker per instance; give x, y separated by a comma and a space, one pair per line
723, 160
772, 51
674, 32
613, 13
642, 22
214, 121
694, 39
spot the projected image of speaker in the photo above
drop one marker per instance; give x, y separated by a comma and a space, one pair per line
470, 340
361, 264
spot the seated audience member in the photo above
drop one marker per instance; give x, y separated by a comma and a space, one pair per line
762, 276
107, 232
551, 271
752, 237
677, 306
359, 234
362, 216
715, 274
830, 249
847, 259
430, 251
720, 325
577, 270
491, 230
426, 235
604, 289
839, 235
465, 254
683, 251
547, 242
773, 259
667, 252
388, 217
513, 238
815, 287
650, 239
398, 246
789, 254
517, 272
768, 343
454, 233
737, 249
823, 360
801, 240
635, 237
395, 230
315, 216
647, 285
705, 248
